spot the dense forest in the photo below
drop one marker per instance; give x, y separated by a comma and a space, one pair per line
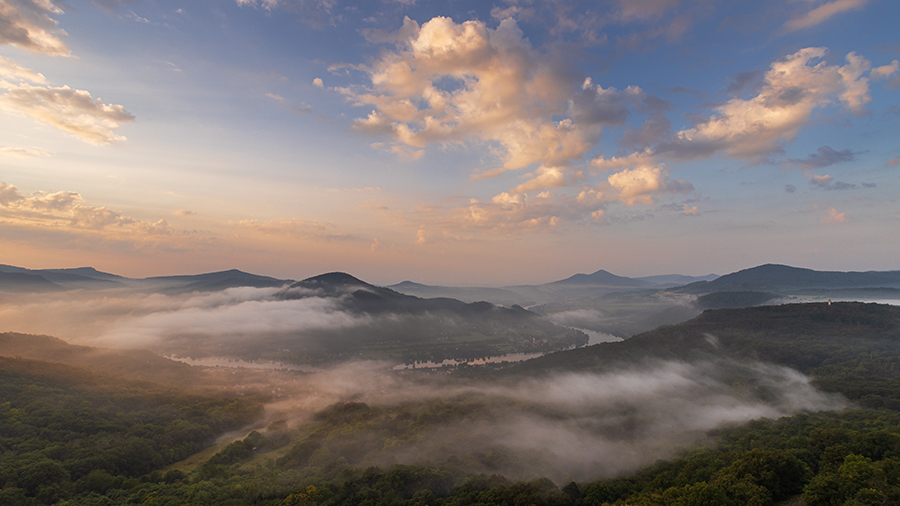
73, 436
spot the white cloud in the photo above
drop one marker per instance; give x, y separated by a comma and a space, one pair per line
793, 88
29, 24
639, 184
70, 110
317, 82
455, 83
67, 210
885, 71
11, 70
467, 83
822, 13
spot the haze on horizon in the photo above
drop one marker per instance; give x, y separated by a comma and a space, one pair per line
458, 143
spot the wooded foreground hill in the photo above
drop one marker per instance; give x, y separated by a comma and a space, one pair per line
75, 437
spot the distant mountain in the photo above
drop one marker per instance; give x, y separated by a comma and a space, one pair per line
502, 296
25, 282
382, 323
81, 277
602, 278
88, 272
214, 281
364, 297
785, 279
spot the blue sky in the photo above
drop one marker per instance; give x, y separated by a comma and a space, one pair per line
452, 142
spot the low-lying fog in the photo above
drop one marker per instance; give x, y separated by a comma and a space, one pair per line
564, 426
125, 318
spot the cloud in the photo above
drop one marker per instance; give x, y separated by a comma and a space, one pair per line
827, 182
820, 181
315, 13
789, 188
65, 210
823, 157
512, 213
638, 185
885, 71
822, 13
466, 83
834, 217
450, 83
792, 89
893, 162
11, 70
70, 110
317, 82
29, 24
24, 152
231, 314
638, 412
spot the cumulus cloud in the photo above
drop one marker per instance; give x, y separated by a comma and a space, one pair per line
467, 83
823, 13
638, 184
67, 210
453, 82
792, 89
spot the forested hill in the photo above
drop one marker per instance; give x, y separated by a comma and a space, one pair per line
75, 438
843, 341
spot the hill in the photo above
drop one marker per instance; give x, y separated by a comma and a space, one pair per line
20, 279
792, 280
847, 347
601, 278
26, 282
405, 328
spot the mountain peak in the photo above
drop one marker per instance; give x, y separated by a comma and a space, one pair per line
601, 277
334, 278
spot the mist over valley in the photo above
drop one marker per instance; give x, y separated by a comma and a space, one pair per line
336, 376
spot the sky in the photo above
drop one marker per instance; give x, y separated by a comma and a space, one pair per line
458, 143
